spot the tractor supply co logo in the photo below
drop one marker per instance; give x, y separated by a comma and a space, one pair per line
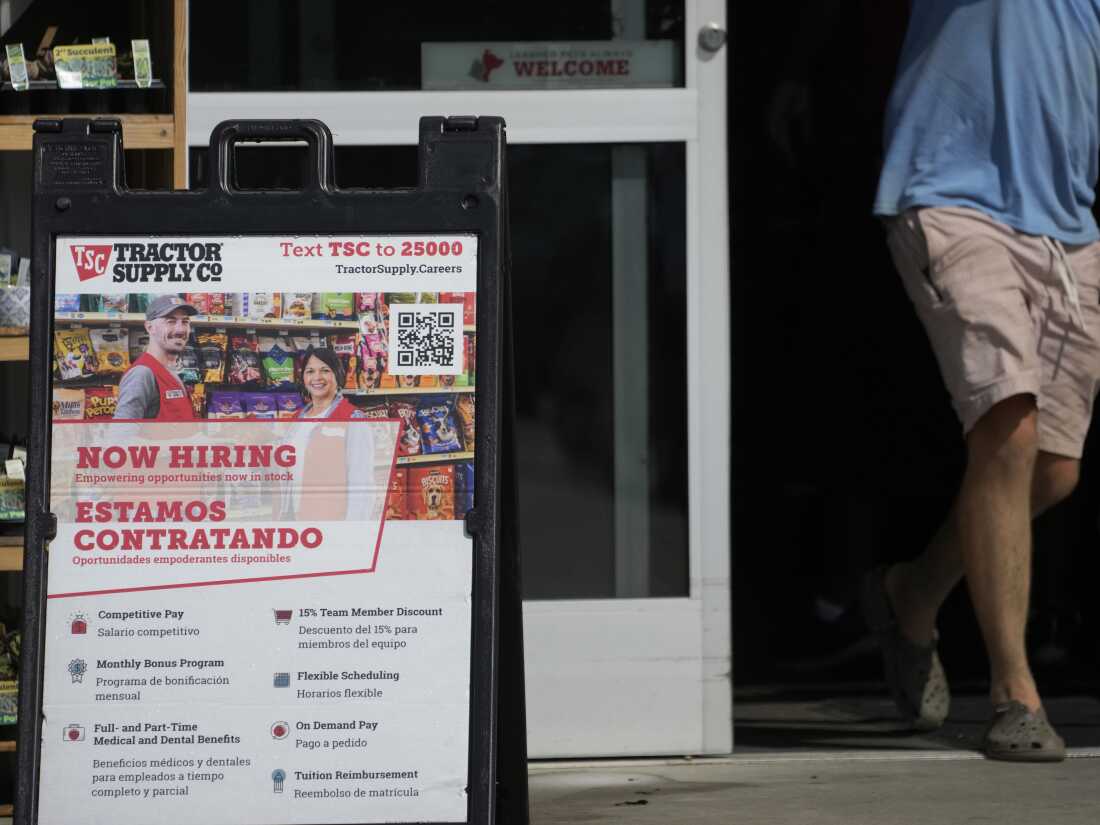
484, 67
143, 263
90, 260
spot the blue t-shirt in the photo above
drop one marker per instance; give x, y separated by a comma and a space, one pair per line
995, 107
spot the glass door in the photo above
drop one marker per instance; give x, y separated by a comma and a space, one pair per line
617, 166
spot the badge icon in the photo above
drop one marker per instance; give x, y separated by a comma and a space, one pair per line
278, 777
280, 730
77, 669
282, 680
78, 624
282, 616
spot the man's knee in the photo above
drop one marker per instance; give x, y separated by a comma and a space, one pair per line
1055, 479
1007, 436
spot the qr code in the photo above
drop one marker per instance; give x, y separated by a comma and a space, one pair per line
425, 339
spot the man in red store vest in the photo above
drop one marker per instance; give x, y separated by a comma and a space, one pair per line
151, 389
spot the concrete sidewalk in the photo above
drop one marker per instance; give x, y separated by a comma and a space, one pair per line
842, 788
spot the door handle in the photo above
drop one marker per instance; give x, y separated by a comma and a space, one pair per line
712, 37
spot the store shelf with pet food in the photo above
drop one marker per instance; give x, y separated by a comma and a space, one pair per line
439, 458
17, 348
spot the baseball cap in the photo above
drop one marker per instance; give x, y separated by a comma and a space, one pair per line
163, 305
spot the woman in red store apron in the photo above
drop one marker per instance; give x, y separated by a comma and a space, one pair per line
336, 476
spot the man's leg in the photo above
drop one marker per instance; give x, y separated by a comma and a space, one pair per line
988, 537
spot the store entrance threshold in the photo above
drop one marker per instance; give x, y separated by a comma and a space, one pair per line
860, 717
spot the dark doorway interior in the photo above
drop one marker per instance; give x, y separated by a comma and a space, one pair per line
846, 451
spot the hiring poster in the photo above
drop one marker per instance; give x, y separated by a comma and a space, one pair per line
259, 595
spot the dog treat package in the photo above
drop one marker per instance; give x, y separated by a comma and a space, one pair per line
112, 350
207, 303
370, 373
467, 299
68, 405
198, 400
366, 302
471, 358
376, 409
396, 495
66, 303
438, 433
224, 404
256, 305
100, 402
190, 365
112, 304
297, 304
199, 300
344, 347
212, 350
259, 405
407, 381
75, 356
244, 360
431, 493
336, 306
464, 488
408, 443
464, 410
277, 360
288, 404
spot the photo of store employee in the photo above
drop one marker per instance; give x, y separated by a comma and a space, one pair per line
322, 377
151, 389
337, 478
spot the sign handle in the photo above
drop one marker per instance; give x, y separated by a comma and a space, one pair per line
226, 136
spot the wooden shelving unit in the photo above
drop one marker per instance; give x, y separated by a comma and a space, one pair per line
16, 348
164, 132
11, 554
139, 131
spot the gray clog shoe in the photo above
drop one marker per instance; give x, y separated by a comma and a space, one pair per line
913, 672
1017, 734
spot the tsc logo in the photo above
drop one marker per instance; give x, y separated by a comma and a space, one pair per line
91, 260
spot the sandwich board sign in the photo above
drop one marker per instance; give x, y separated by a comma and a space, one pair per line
263, 561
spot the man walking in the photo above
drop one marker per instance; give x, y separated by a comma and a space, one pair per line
992, 148
151, 389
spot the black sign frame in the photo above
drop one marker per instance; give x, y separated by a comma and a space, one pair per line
80, 190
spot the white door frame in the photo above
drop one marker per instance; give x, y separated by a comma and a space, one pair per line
614, 677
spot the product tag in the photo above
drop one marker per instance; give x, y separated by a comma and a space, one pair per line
24, 276
85, 67
17, 67
14, 468
7, 267
19, 453
143, 64
99, 41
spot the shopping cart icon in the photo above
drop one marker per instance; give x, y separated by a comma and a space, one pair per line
283, 616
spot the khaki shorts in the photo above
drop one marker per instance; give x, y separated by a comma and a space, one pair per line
1000, 318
